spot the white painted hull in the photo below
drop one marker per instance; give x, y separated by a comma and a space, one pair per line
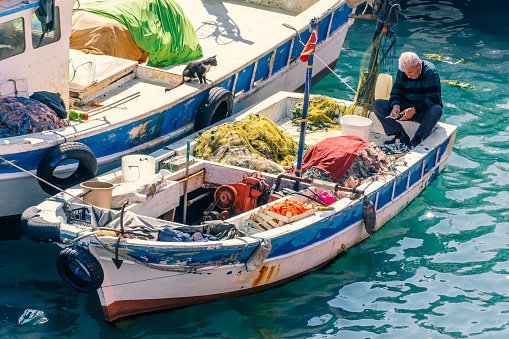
135, 288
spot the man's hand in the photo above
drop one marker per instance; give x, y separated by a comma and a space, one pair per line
407, 114
395, 113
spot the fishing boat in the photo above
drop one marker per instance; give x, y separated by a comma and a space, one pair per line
256, 44
135, 255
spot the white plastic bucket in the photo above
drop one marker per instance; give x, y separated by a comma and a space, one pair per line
97, 193
137, 166
356, 125
82, 71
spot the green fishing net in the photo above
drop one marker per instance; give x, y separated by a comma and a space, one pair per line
321, 112
234, 142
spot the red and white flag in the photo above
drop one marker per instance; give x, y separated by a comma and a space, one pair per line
310, 46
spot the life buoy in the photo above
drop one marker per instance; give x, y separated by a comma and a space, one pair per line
216, 106
38, 229
80, 269
87, 166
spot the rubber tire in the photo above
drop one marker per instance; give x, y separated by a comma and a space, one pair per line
40, 230
369, 216
88, 261
87, 167
216, 106
27, 215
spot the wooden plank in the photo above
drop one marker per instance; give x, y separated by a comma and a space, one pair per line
256, 225
289, 219
264, 224
267, 219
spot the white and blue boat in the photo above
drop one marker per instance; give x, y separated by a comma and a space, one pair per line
257, 56
141, 270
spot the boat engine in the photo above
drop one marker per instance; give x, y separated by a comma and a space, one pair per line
238, 198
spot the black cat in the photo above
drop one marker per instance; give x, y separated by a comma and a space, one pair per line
196, 70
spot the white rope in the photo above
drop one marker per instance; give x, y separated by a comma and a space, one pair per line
336, 74
302, 43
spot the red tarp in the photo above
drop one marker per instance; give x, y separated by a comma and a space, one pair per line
334, 155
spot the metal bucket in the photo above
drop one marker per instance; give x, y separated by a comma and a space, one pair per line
97, 193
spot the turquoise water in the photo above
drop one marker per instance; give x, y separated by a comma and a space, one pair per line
438, 270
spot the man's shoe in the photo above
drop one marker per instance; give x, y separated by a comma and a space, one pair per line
399, 137
415, 141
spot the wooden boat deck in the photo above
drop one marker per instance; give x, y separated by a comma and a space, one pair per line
235, 31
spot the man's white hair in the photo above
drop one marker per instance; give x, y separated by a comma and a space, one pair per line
407, 60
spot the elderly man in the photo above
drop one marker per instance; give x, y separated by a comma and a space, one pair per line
415, 96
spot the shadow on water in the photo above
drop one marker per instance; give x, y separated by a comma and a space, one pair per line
10, 229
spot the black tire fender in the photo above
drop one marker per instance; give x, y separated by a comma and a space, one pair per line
79, 269
369, 216
216, 106
27, 215
40, 230
87, 166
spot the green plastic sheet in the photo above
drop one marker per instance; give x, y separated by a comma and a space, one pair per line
159, 27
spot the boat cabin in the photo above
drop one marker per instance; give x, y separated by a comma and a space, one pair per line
45, 54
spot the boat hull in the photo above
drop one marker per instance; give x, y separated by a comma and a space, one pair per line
138, 288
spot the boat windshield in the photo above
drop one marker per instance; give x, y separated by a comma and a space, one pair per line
12, 38
38, 38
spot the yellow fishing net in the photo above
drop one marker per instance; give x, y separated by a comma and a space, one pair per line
321, 112
232, 143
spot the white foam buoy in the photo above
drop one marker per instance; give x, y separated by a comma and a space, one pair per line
383, 86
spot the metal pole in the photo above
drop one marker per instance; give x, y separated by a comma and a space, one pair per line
303, 123
185, 182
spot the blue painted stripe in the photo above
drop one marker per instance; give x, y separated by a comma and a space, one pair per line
282, 245
122, 138
281, 58
415, 173
298, 47
316, 232
401, 184
339, 18
429, 160
372, 197
323, 26
18, 9
433, 176
262, 68
443, 148
244, 79
385, 195
227, 83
